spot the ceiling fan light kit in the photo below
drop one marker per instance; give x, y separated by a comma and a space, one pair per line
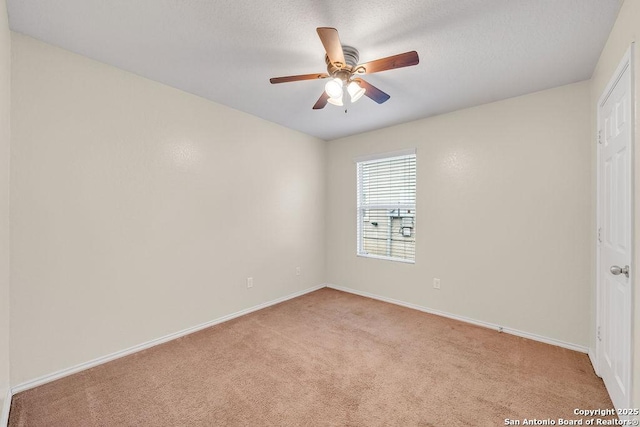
342, 67
355, 91
334, 88
335, 101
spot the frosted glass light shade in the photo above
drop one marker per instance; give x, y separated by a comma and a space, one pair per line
335, 101
334, 88
355, 91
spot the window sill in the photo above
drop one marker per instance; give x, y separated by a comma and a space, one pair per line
387, 258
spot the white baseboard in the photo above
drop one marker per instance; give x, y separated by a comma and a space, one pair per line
506, 330
143, 346
6, 407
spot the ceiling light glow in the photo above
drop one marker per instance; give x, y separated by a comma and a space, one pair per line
334, 88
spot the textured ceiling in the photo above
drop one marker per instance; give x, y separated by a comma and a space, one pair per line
471, 51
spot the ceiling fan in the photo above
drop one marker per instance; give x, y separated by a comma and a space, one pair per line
343, 69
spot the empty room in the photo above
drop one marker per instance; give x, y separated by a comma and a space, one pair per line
319, 213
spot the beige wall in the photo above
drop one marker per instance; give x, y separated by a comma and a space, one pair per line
502, 215
625, 31
139, 210
5, 82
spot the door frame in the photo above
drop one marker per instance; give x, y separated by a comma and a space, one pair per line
627, 62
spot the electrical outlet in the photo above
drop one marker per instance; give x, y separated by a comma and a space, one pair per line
249, 282
297, 271
436, 283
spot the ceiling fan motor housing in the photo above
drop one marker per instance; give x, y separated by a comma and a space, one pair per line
344, 71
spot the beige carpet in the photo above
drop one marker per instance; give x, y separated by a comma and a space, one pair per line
325, 359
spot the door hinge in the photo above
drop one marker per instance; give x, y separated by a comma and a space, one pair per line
600, 137
599, 337
600, 234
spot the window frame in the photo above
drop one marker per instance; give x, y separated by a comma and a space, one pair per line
360, 209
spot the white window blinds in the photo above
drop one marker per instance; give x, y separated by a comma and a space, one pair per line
387, 208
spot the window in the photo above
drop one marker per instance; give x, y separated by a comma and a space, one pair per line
387, 207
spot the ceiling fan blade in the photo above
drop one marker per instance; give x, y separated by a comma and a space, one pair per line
373, 92
331, 42
286, 79
321, 102
396, 61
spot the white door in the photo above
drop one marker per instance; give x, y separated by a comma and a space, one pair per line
615, 129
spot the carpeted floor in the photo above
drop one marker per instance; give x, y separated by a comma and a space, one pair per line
325, 359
